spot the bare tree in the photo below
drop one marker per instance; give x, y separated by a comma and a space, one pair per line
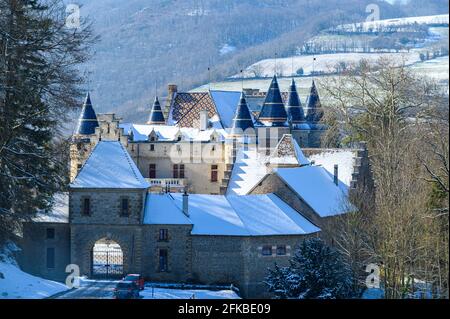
384, 105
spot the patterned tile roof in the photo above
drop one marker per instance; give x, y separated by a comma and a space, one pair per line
186, 108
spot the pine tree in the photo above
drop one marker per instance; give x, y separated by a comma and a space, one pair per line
316, 272
39, 83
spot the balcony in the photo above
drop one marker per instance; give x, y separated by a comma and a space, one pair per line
173, 183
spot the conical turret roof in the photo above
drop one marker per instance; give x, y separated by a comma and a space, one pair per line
156, 114
294, 107
87, 121
242, 119
314, 111
273, 110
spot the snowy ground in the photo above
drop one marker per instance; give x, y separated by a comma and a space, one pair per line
436, 69
166, 293
378, 24
16, 284
324, 62
104, 289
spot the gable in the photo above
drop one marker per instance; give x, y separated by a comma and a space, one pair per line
109, 166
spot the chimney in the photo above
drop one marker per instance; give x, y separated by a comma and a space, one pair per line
172, 89
204, 120
186, 203
336, 174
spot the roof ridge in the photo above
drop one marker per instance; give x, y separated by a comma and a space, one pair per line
127, 156
237, 214
85, 162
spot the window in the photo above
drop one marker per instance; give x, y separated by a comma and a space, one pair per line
163, 235
125, 207
152, 171
214, 173
281, 250
163, 260
152, 147
178, 171
79, 167
267, 251
86, 206
51, 258
50, 233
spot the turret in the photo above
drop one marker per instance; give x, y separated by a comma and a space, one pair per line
314, 112
156, 115
87, 121
294, 108
273, 112
242, 119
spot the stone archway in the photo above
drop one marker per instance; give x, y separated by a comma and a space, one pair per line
107, 259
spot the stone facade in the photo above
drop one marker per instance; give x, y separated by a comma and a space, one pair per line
38, 239
194, 259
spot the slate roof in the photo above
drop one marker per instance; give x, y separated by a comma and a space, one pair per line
314, 112
294, 107
273, 110
242, 119
87, 122
156, 115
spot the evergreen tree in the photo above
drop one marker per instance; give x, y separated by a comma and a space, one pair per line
39, 83
317, 271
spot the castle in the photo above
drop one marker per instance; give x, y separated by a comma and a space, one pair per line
215, 188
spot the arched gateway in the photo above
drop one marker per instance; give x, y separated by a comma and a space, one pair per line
107, 259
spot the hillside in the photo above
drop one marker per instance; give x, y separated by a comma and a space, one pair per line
148, 43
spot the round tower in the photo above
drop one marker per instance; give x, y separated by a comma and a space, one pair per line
82, 140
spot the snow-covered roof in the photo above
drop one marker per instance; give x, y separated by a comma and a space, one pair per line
59, 212
251, 215
248, 169
345, 159
141, 132
161, 209
287, 152
315, 185
109, 166
251, 167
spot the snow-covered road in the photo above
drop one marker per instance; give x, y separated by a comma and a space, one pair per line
90, 290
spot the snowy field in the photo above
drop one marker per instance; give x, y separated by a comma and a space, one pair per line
436, 69
16, 284
324, 62
378, 24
